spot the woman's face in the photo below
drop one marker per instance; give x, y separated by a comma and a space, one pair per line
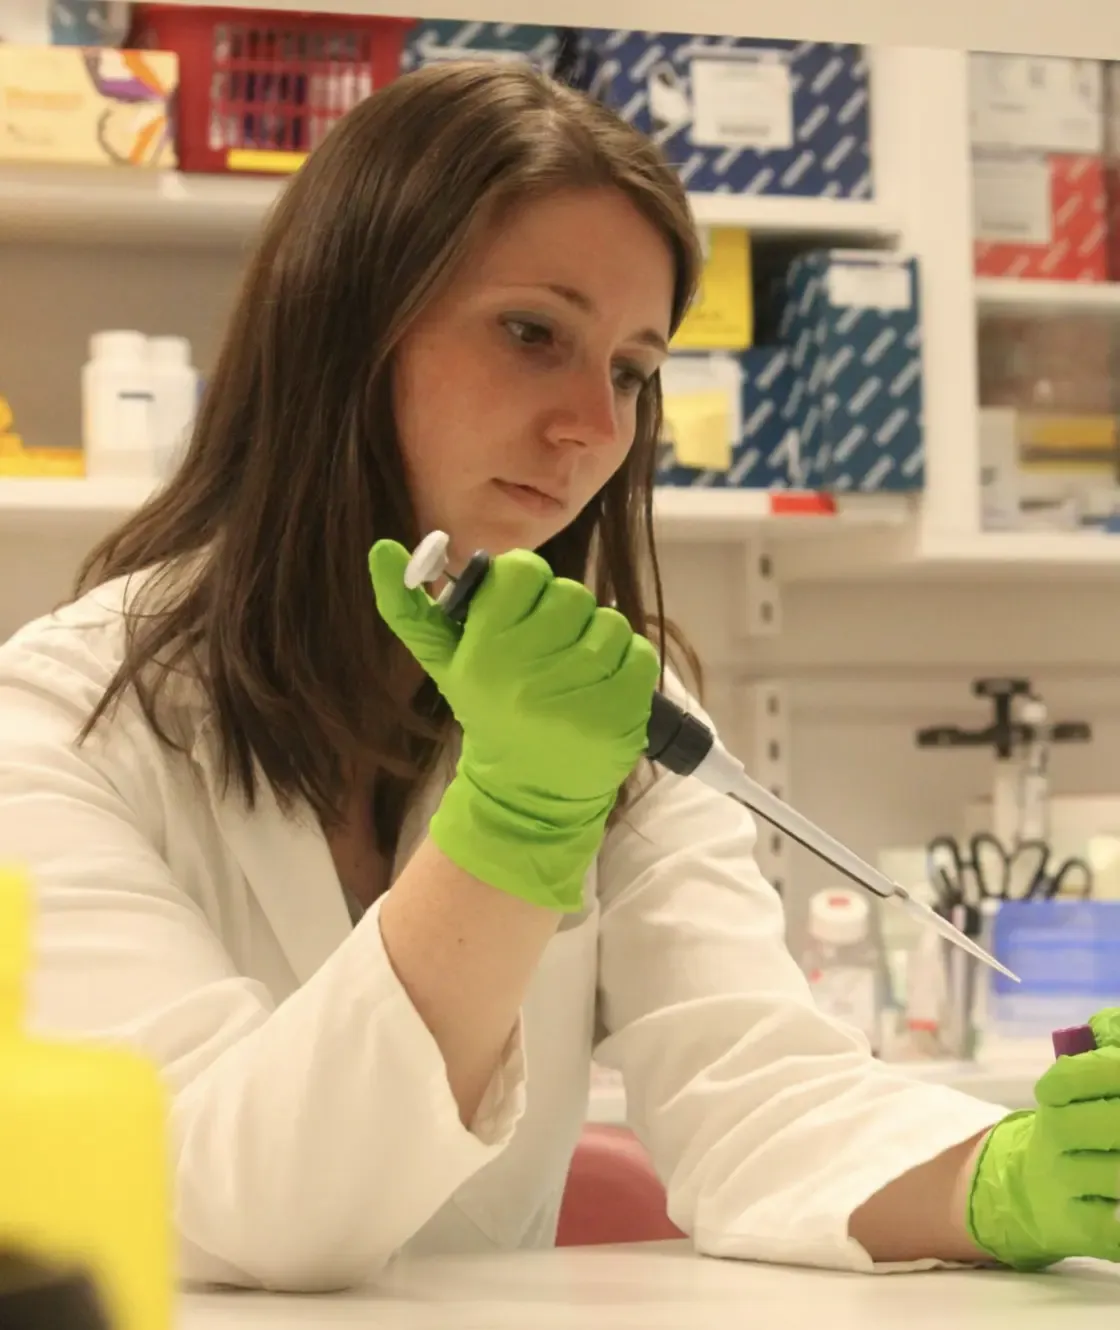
516, 391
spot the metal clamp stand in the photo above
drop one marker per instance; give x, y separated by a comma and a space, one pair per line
1013, 733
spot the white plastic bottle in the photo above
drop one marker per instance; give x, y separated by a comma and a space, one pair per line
841, 961
117, 407
175, 399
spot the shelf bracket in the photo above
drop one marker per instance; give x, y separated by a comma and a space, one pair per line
762, 616
766, 707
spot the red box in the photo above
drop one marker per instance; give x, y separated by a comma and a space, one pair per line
259, 88
1112, 218
1052, 210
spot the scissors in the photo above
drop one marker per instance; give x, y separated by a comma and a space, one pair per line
982, 869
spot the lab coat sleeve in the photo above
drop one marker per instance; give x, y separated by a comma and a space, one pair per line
312, 1138
768, 1121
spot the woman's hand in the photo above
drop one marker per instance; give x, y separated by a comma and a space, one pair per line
1047, 1184
553, 693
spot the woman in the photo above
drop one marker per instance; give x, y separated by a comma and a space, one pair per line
455, 319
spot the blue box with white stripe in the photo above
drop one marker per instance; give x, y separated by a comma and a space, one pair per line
852, 321
744, 115
432, 40
767, 453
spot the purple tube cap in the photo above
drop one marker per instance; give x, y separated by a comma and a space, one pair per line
1076, 1039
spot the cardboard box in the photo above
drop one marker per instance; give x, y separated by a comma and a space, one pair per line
1112, 168
744, 115
1044, 104
721, 317
763, 449
1047, 470
852, 320
433, 41
87, 107
1039, 216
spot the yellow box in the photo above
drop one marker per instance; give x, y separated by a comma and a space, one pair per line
87, 106
721, 318
1069, 443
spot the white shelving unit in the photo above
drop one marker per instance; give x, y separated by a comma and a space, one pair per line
865, 624
43, 203
1007, 295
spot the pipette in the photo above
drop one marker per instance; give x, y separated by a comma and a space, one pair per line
685, 745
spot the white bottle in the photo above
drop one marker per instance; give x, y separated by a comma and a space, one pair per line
175, 399
841, 961
117, 407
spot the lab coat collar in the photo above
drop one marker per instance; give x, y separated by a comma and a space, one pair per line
286, 861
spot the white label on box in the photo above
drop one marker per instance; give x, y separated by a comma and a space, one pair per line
1050, 103
1011, 201
683, 375
869, 286
741, 104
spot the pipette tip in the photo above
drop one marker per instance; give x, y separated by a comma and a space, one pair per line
951, 932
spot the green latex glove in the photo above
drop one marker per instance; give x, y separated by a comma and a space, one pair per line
1047, 1184
553, 694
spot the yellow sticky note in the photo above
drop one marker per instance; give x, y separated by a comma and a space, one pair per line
699, 426
721, 318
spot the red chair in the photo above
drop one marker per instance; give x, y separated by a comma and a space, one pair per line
612, 1193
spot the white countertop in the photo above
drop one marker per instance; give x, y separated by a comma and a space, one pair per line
663, 1286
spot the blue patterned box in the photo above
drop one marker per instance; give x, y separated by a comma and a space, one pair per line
450, 39
744, 115
767, 453
853, 324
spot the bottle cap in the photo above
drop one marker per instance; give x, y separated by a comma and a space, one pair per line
1073, 1040
118, 345
839, 916
169, 352
15, 949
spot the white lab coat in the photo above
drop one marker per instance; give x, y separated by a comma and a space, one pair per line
315, 1136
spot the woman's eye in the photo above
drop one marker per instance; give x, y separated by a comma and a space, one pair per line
529, 333
629, 379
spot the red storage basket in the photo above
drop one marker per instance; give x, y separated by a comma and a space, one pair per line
260, 88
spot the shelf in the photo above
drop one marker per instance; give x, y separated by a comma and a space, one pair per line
987, 556
1008, 295
847, 219
83, 509
101, 206
89, 508
693, 516
1077, 27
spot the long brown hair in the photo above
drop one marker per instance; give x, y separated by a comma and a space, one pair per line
256, 548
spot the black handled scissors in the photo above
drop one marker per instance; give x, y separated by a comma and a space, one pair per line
1070, 877
982, 869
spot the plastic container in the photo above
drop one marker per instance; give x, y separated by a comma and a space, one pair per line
117, 407
174, 386
260, 88
1067, 956
84, 1152
843, 963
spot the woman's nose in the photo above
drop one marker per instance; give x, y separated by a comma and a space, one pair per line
588, 414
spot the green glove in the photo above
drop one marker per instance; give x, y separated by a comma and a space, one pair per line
1047, 1184
553, 694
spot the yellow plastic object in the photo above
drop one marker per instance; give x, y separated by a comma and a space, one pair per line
16, 460
84, 1161
721, 318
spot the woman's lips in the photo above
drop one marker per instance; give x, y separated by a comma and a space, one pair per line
536, 501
